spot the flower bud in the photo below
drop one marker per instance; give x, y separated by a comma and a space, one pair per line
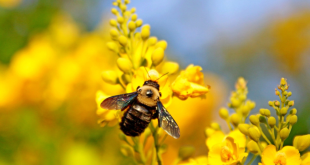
124, 64
272, 121
113, 33
145, 32
152, 41
293, 119
293, 111
277, 92
285, 93
254, 120
271, 103
245, 110
209, 132
262, 111
131, 26
161, 44
283, 111
122, 40
109, 76
157, 56
139, 23
113, 22
224, 114
291, 103
234, 119
242, 97
133, 10
244, 128
301, 142
126, 78
251, 104
186, 152
171, 67
289, 94
127, 151
254, 133
252, 147
134, 17
283, 82
114, 11
120, 19
277, 103
123, 7
126, 2
215, 126
284, 133
114, 3
235, 102
112, 46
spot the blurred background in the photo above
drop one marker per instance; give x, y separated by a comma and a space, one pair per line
53, 51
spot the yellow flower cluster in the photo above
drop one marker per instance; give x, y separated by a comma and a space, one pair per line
244, 139
142, 57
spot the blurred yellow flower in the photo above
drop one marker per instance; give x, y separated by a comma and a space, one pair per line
9, 3
226, 152
288, 155
189, 83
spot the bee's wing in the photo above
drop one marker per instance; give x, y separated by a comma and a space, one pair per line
166, 121
119, 101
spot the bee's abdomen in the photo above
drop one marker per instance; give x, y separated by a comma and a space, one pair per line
135, 120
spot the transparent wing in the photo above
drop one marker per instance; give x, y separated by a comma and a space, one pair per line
119, 101
166, 121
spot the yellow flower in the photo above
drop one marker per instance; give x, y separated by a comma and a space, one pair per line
219, 136
302, 142
288, 155
141, 75
305, 158
226, 153
189, 83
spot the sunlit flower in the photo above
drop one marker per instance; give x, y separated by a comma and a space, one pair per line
288, 155
302, 142
189, 83
227, 152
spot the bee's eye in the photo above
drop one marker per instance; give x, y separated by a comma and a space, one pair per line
139, 90
149, 93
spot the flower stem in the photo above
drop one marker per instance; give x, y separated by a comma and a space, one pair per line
157, 146
252, 159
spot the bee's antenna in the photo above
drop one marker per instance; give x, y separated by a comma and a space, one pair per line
162, 75
147, 72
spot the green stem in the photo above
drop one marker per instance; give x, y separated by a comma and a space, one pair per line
139, 149
264, 136
157, 146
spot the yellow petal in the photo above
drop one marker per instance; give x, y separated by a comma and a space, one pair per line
268, 154
292, 155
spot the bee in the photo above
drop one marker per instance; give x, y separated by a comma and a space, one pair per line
141, 107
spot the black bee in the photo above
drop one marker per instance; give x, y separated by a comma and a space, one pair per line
141, 107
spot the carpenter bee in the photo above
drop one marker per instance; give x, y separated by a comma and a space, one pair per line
141, 107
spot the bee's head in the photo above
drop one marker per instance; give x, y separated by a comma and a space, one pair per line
151, 83
149, 93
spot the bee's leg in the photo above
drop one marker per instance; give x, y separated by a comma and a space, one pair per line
155, 115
